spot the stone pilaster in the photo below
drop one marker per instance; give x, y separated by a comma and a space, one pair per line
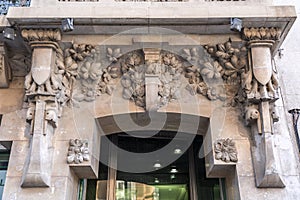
260, 113
4, 70
43, 87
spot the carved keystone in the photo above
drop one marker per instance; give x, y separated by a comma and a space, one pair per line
153, 71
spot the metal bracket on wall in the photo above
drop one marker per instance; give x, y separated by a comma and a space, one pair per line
296, 113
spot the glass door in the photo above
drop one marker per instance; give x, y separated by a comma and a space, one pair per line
182, 179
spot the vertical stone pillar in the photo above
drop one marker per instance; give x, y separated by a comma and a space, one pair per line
4, 70
260, 105
43, 86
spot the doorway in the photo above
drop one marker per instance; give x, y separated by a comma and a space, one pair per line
183, 178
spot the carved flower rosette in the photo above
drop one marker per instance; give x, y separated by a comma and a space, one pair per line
78, 151
225, 150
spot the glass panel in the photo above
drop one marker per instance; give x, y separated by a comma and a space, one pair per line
207, 188
169, 182
4, 158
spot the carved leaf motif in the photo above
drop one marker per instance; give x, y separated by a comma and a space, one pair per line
113, 54
261, 33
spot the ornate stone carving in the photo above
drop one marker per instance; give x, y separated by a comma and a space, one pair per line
133, 79
78, 151
208, 70
47, 90
83, 63
262, 33
216, 70
113, 54
225, 150
260, 84
33, 35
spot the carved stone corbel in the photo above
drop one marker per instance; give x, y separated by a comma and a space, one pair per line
45, 92
260, 85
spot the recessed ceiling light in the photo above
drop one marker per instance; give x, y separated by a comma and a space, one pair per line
174, 170
177, 151
157, 165
156, 180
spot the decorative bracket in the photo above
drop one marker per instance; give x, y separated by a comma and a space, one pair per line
260, 85
43, 87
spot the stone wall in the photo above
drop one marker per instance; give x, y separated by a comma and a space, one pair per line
82, 120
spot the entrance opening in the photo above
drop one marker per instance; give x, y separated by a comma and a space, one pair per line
181, 179
5, 148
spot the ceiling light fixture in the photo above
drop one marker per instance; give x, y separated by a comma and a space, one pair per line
174, 170
157, 165
177, 151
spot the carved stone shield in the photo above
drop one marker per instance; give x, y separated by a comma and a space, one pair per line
42, 60
262, 64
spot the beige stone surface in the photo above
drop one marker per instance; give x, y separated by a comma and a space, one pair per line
13, 126
57, 190
86, 121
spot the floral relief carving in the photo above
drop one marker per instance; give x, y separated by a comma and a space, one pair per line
225, 150
215, 71
171, 71
209, 71
133, 79
113, 54
84, 65
78, 151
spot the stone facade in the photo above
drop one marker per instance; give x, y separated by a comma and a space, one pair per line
61, 91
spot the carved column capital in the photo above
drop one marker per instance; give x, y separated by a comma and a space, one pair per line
34, 35
261, 33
